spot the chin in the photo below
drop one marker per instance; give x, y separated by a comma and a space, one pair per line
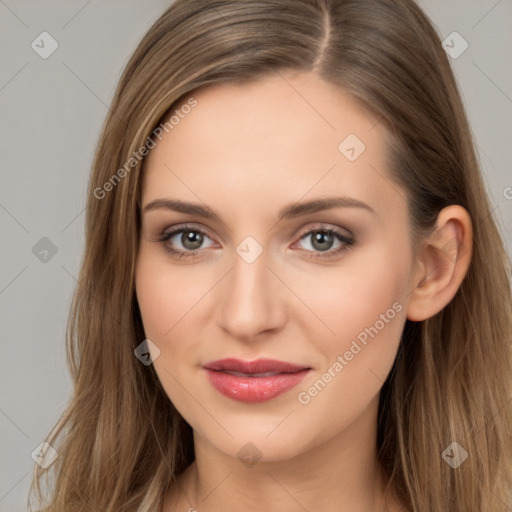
253, 444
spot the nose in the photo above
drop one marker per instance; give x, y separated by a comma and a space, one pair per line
251, 300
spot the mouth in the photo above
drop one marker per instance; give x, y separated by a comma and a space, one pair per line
254, 381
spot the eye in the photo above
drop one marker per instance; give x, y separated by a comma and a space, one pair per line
325, 242
190, 238
321, 242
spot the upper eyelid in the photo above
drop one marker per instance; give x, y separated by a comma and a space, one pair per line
172, 232
325, 226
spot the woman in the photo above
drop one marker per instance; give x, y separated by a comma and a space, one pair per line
294, 295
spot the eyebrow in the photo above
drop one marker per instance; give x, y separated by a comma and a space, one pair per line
288, 212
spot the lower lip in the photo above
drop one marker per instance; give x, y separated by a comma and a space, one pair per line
254, 389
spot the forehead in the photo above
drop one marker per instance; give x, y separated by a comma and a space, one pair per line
283, 108
273, 140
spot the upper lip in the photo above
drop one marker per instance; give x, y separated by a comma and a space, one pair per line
256, 366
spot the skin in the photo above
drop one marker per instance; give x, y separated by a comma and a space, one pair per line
246, 151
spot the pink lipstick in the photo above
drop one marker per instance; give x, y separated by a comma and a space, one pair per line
254, 381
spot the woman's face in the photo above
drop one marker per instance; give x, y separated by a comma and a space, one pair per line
322, 288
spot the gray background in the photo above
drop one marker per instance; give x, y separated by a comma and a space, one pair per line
52, 110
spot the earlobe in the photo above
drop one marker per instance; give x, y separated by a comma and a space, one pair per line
443, 263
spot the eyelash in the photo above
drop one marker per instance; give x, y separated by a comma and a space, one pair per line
347, 242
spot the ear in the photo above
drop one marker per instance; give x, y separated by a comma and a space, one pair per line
442, 263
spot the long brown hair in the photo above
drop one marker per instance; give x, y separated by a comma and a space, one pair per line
121, 442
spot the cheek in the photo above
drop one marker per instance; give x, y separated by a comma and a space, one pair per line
165, 296
361, 304
154, 297
364, 307
169, 301
351, 297
162, 304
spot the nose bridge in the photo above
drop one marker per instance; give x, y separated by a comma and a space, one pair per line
250, 302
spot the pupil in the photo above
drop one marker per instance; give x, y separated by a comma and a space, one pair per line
322, 238
192, 240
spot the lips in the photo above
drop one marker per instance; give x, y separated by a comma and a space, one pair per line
254, 381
